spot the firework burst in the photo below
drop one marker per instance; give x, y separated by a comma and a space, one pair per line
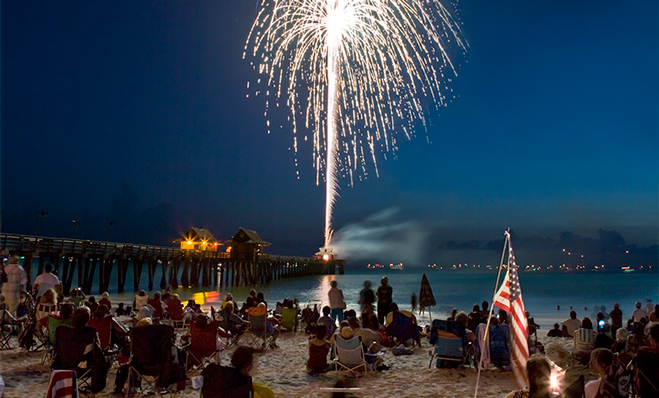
355, 72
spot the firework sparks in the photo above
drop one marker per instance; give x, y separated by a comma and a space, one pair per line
355, 72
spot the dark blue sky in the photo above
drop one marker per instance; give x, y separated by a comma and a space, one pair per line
112, 108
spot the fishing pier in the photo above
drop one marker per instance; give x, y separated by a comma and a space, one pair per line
165, 266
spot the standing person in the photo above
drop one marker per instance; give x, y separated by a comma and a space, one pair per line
367, 297
47, 280
384, 299
616, 318
337, 303
16, 279
638, 313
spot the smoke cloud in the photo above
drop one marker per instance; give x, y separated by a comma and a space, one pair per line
382, 238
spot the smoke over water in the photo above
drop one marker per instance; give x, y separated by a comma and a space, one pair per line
382, 238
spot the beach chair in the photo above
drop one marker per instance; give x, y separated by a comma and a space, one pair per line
500, 345
74, 350
150, 357
349, 355
204, 346
7, 329
402, 329
448, 347
232, 337
289, 318
258, 330
104, 329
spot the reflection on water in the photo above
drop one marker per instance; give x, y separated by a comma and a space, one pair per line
542, 292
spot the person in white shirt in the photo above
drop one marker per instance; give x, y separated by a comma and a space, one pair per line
47, 280
639, 313
600, 360
572, 324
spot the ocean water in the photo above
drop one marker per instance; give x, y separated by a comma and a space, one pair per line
547, 296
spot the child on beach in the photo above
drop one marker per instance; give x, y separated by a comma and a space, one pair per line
318, 349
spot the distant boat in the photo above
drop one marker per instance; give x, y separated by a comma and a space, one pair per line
398, 266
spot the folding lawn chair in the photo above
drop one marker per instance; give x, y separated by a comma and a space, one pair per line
261, 338
7, 329
448, 347
150, 357
349, 354
402, 329
74, 351
289, 318
204, 346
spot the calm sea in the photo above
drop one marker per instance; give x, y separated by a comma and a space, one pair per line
543, 293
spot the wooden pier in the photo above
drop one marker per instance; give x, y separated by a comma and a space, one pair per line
89, 259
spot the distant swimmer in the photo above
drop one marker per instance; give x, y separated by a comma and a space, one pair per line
558, 307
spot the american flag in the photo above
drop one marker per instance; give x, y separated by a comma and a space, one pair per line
509, 299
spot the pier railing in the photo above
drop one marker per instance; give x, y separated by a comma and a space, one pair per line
83, 258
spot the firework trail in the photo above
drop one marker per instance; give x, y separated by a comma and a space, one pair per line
355, 72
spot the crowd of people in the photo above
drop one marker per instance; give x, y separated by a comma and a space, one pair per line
379, 323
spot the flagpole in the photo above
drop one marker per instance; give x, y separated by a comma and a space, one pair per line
487, 325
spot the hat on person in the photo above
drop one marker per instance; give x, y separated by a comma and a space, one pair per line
346, 333
621, 335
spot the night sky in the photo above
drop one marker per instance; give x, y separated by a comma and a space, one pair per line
137, 112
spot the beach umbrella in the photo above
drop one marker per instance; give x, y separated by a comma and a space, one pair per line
426, 298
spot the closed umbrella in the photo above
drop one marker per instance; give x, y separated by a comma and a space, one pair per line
426, 298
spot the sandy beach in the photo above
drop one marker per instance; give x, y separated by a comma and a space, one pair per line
283, 369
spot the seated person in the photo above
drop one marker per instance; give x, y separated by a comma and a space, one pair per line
91, 303
110, 332
555, 332
635, 340
474, 318
368, 336
319, 348
584, 340
538, 371
621, 340
52, 321
174, 307
121, 310
77, 296
6, 318
159, 307
141, 299
229, 299
237, 325
327, 321
236, 381
78, 348
571, 324
394, 307
402, 325
600, 360
105, 300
